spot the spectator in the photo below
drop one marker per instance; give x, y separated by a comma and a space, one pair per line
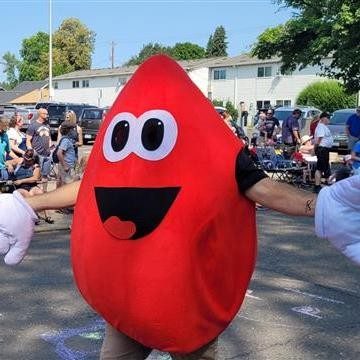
75, 133
291, 129
27, 174
323, 144
313, 125
243, 113
353, 128
17, 139
306, 148
38, 138
261, 126
355, 157
66, 154
269, 124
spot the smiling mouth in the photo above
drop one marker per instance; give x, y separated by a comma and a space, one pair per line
131, 213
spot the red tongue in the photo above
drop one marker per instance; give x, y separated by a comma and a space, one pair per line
120, 229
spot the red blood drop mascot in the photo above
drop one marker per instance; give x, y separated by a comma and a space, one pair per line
163, 243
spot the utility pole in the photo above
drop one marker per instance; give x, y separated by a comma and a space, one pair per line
112, 56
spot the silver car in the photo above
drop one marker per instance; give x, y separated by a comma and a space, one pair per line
337, 127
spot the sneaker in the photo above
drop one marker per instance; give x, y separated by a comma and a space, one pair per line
317, 189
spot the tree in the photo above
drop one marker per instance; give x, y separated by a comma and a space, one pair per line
31, 53
11, 70
318, 29
147, 51
74, 43
187, 51
217, 43
326, 95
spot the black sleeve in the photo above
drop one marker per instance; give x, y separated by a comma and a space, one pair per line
246, 172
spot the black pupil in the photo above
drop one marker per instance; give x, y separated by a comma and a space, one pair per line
152, 134
120, 135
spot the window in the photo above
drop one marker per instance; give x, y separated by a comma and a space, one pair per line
121, 81
56, 85
75, 84
264, 71
262, 104
283, 102
220, 74
85, 83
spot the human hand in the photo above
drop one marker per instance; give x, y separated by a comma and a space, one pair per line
337, 216
10, 168
17, 182
17, 220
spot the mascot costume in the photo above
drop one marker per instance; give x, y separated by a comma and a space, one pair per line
163, 244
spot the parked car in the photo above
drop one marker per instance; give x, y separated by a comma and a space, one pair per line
90, 121
337, 127
57, 114
307, 114
26, 114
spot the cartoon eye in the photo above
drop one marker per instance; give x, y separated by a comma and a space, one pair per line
158, 135
119, 137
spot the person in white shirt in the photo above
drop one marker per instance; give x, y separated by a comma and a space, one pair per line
323, 144
17, 139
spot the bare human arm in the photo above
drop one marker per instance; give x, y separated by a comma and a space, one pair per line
14, 147
282, 197
28, 141
34, 178
80, 135
63, 197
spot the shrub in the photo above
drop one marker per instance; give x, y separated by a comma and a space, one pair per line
328, 95
228, 106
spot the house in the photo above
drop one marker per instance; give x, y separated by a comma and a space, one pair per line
100, 87
26, 93
258, 83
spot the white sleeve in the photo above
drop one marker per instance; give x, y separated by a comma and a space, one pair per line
17, 220
337, 216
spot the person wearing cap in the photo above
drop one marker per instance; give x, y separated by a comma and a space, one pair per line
323, 144
353, 128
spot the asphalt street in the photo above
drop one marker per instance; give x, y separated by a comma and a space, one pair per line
302, 303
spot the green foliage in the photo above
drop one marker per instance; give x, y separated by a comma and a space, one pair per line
11, 70
228, 106
76, 43
187, 51
181, 51
147, 51
231, 110
30, 66
318, 30
217, 43
73, 45
326, 95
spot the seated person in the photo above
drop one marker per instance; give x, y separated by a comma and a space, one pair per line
306, 148
27, 174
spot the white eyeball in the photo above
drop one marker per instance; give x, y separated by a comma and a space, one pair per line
120, 137
157, 134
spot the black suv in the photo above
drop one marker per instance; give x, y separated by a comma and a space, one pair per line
57, 113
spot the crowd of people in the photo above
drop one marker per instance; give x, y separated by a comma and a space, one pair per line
27, 158
312, 149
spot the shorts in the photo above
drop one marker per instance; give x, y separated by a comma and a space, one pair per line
323, 164
66, 176
45, 165
119, 346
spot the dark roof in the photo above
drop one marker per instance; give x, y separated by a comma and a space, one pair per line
28, 86
7, 96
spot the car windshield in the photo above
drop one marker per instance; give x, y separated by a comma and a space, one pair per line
340, 118
282, 115
56, 110
92, 114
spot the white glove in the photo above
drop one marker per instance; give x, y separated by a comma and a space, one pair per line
17, 220
337, 216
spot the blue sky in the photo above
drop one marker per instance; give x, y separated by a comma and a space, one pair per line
131, 24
